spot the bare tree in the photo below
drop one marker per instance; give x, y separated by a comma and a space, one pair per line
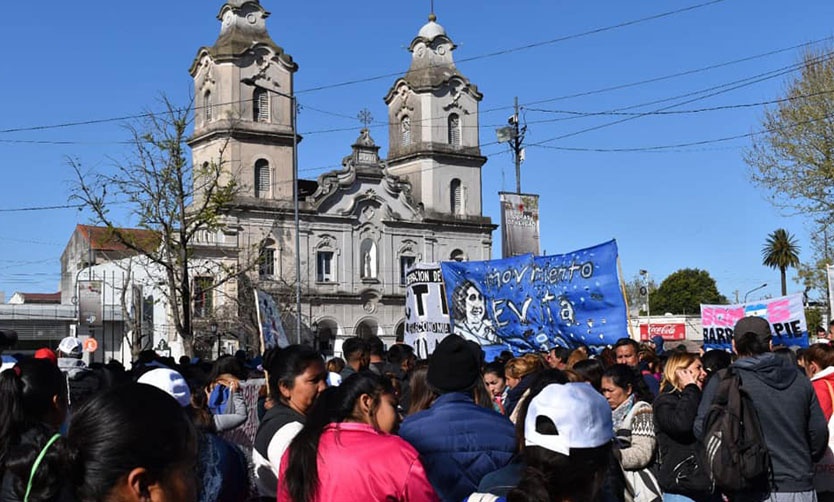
163, 192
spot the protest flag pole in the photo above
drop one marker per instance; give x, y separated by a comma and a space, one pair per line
625, 298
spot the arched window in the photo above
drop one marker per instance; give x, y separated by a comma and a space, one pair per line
207, 106
457, 255
266, 259
454, 129
405, 130
456, 196
260, 105
262, 178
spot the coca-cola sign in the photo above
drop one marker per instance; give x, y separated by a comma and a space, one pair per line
668, 330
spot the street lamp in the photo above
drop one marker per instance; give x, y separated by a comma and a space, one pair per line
216, 335
645, 274
293, 118
752, 290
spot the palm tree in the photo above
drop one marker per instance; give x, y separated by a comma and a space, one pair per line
781, 251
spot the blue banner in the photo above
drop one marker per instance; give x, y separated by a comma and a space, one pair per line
535, 303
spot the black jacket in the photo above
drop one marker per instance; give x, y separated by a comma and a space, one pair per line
679, 455
794, 428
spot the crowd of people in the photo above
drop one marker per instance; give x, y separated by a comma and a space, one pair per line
626, 424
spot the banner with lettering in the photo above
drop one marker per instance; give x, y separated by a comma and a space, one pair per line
531, 303
269, 321
785, 314
519, 224
426, 314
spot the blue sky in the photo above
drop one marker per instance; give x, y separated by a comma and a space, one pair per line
681, 207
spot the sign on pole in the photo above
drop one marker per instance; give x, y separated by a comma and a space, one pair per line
89, 303
519, 224
427, 318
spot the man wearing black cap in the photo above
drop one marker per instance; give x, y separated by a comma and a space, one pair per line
794, 428
459, 441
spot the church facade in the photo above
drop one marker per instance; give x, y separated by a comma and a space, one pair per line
360, 227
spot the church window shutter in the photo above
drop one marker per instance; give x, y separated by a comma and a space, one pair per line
260, 105
262, 182
454, 130
456, 194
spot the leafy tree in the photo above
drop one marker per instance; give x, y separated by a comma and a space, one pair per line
781, 251
684, 291
794, 157
164, 193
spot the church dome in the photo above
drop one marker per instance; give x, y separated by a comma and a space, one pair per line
431, 30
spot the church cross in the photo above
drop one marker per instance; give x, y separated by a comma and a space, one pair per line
365, 117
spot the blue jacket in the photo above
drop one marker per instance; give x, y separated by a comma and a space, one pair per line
459, 442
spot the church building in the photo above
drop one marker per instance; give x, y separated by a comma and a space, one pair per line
359, 227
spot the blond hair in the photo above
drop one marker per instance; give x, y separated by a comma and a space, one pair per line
678, 360
519, 367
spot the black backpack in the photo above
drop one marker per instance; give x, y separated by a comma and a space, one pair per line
737, 458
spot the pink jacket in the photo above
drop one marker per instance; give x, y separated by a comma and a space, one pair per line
358, 463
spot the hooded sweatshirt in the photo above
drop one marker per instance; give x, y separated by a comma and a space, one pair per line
794, 428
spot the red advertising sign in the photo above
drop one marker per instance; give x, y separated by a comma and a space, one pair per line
668, 330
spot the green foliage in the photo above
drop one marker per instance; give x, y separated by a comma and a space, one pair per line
794, 158
684, 291
813, 318
781, 251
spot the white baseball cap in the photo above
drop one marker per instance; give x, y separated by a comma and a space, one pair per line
581, 415
171, 382
71, 346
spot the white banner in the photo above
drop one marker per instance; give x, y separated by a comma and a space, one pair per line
785, 314
426, 311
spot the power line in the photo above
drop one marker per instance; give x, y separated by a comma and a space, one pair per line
695, 143
574, 114
720, 89
525, 47
668, 76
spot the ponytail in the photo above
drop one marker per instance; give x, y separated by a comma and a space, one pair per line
334, 404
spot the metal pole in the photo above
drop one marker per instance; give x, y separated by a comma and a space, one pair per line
297, 226
517, 149
648, 308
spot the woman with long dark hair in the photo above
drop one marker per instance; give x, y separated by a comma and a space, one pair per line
296, 375
346, 450
630, 401
34, 397
132, 443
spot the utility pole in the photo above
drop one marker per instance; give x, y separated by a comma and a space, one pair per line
514, 135
515, 144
